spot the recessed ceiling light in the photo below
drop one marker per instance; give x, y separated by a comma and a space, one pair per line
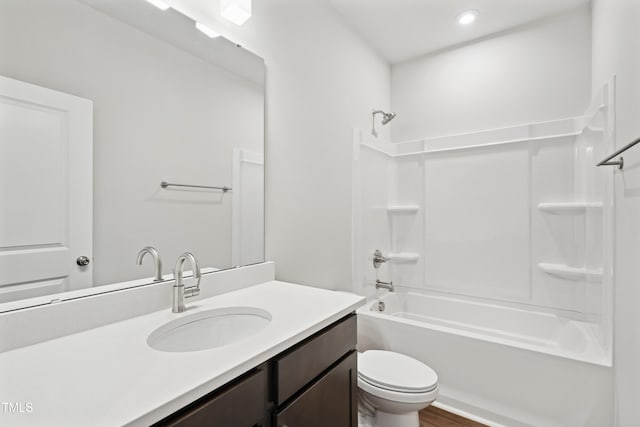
206, 30
468, 17
159, 4
236, 11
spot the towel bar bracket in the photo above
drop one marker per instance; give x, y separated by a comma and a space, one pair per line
620, 162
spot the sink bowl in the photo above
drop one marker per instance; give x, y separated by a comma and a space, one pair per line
209, 329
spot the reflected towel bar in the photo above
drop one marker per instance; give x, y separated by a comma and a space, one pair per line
620, 162
165, 184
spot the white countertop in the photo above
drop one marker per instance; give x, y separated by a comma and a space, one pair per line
108, 376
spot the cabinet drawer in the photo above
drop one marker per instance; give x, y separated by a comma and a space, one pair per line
242, 404
331, 401
298, 367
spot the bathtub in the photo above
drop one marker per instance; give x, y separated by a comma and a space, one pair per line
505, 366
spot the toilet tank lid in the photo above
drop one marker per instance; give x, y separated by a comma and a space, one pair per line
395, 371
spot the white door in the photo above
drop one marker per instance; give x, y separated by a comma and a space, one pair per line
46, 159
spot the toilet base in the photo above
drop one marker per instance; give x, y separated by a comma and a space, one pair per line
385, 419
397, 414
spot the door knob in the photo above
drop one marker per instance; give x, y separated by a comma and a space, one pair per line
83, 261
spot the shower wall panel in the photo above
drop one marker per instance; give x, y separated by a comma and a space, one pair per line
477, 221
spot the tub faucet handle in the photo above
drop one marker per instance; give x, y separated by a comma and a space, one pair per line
378, 258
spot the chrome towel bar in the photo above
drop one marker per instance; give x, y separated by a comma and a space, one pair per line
619, 162
165, 184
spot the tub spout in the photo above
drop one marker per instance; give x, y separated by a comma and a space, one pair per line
384, 285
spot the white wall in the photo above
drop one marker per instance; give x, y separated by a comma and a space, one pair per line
320, 84
159, 114
322, 80
616, 44
537, 72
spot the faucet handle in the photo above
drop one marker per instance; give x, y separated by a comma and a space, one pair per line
191, 291
378, 258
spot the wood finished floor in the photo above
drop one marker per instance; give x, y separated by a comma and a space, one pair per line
434, 417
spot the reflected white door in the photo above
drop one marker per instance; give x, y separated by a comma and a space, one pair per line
247, 217
46, 158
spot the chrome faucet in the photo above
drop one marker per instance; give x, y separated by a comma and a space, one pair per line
156, 260
180, 292
384, 285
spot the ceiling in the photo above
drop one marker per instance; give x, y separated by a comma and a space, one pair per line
404, 29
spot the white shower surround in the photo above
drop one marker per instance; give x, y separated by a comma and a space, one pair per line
480, 342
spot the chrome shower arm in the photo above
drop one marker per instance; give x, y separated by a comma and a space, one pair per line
386, 118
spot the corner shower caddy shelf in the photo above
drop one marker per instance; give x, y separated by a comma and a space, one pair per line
403, 209
571, 273
403, 257
568, 207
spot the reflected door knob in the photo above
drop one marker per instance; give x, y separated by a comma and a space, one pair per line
83, 261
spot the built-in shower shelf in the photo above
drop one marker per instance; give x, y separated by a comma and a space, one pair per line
571, 273
400, 257
568, 207
403, 209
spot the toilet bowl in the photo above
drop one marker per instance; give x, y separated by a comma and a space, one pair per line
395, 387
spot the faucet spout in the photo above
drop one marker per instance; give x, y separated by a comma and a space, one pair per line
180, 292
156, 261
384, 285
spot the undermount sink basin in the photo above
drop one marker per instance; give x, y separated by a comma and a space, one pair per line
209, 329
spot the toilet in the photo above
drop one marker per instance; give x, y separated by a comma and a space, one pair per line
393, 387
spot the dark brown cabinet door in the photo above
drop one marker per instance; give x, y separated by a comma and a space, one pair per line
241, 404
302, 364
331, 401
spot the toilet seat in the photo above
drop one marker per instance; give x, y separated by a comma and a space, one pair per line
395, 372
397, 396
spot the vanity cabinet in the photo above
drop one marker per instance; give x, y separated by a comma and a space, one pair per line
311, 384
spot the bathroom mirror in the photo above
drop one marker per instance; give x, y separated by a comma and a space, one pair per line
101, 101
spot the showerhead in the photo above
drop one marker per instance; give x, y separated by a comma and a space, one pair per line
386, 118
